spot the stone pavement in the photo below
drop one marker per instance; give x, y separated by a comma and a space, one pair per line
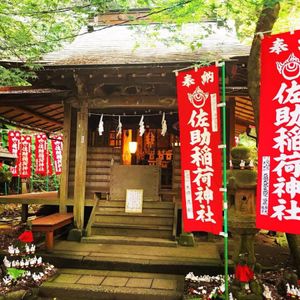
101, 284
204, 258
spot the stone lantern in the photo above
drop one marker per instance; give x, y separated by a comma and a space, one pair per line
242, 183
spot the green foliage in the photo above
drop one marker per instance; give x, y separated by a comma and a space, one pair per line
42, 184
249, 142
31, 28
243, 15
5, 174
15, 273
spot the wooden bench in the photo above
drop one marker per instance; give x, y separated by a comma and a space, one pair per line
50, 223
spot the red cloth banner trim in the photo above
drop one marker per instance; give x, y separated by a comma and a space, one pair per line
40, 154
49, 169
57, 147
278, 189
14, 141
201, 175
25, 156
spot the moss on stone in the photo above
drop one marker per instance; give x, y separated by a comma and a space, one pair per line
240, 152
243, 178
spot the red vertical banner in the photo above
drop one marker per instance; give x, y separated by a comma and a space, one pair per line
14, 141
278, 189
57, 147
40, 154
25, 156
201, 163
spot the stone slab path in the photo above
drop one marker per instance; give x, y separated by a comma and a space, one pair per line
203, 258
102, 284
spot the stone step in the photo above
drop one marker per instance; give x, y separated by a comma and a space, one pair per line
94, 163
137, 215
101, 156
78, 284
168, 211
93, 185
137, 230
130, 218
127, 240
93, 177
99, 150
146, 204
93, 170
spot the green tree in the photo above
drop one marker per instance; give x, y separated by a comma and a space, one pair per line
30, 28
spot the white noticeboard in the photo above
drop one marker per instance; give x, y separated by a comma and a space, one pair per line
134, 201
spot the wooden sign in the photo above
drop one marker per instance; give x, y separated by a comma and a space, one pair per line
134, 201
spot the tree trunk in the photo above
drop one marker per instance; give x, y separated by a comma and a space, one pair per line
265, 23
295, 250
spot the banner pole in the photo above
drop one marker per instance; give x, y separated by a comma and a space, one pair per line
225, 182
5, 188
4, 146
47, 166
32, 166
54, 176
18, 186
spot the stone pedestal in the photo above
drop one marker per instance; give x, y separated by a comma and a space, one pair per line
241, 213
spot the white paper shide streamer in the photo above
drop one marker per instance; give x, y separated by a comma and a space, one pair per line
101, 125
142, 126
119, 128
164, 126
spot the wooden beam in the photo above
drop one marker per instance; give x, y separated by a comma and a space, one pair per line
34, 114
245, 100
244, 111
244, 122
134, 102
244, 115
80, 164
40, 116
232, 118
64, 178
244, 105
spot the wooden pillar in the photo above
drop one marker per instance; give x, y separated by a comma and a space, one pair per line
230, 126
24, 211
80, 164
64, 178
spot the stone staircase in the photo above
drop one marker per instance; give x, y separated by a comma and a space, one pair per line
110, 223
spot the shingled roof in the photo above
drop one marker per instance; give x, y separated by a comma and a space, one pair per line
123, 45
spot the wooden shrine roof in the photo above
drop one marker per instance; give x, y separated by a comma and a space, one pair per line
122, 45
106, 64
39, 109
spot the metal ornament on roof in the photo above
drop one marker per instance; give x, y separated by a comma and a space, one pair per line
164, 126
101, 125
119, 128
142, 126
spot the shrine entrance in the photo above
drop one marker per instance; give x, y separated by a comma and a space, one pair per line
147, 148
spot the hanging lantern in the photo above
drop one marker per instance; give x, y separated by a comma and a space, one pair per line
132, 147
